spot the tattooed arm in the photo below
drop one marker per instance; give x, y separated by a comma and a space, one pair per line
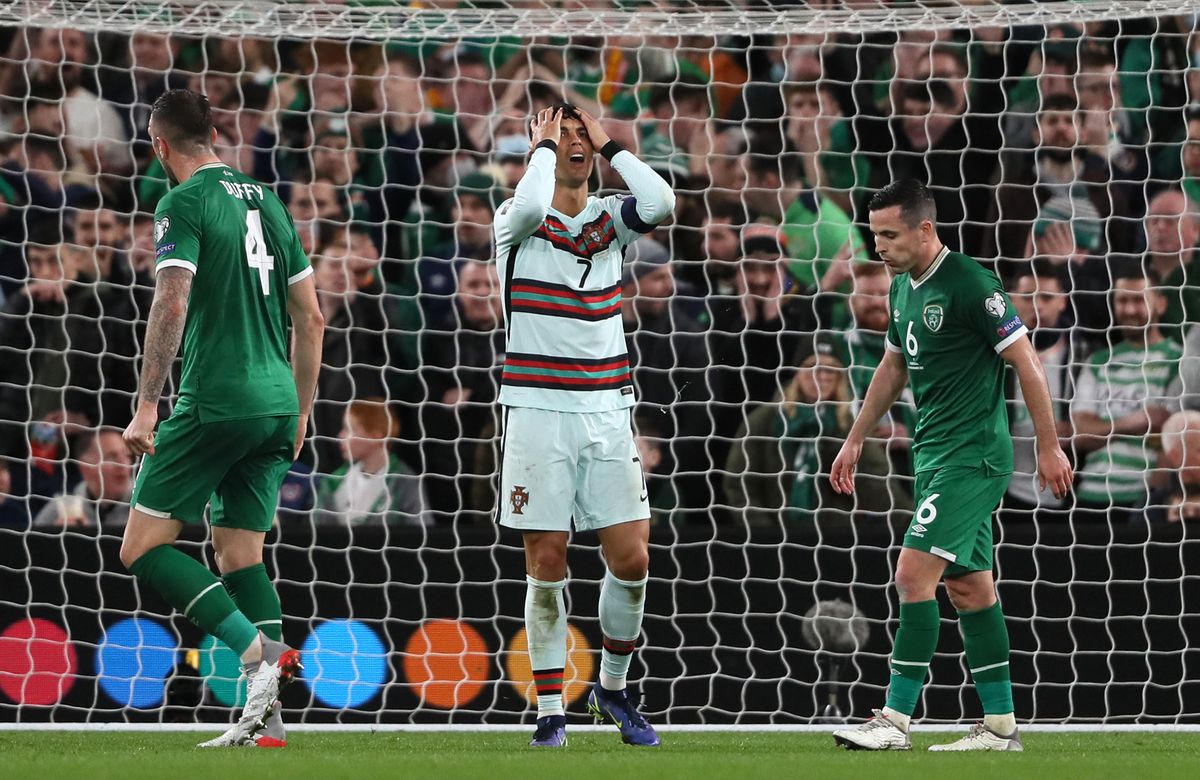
164, 332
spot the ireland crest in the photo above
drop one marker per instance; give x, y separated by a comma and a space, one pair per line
934, 316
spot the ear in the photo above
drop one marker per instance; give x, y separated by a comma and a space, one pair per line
212, 140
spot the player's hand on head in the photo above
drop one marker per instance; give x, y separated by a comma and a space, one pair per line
547, 125
595, 130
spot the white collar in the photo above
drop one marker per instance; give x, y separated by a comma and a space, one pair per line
937, 262
206, 166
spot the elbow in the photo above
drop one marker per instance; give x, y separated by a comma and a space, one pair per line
316, 322
662, 208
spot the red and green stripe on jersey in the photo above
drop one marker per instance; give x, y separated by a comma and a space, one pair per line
556, 300
558, 373
593, 238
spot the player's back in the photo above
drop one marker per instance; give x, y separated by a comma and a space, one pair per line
238, 239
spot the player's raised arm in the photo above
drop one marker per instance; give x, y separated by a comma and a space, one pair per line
886, 385
522, 215
1053, 467
308, 325
653, 199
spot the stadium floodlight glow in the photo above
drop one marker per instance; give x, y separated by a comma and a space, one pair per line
345, 663
133, 661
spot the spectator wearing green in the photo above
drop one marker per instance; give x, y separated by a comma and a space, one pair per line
817, 230
1172, 230
1122, 397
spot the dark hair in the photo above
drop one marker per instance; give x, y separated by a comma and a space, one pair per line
50, 147
1059, 102
914, 199
569, 111
1042, 268
184, 118
1132, 267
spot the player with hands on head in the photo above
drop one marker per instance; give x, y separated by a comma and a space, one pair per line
568, 449
952, 330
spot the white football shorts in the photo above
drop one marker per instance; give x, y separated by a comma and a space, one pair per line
559, 466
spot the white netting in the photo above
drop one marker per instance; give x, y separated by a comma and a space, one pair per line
1061, 132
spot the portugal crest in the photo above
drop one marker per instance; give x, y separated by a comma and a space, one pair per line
934, 317
519, 498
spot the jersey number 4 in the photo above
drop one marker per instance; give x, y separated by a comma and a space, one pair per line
256, 249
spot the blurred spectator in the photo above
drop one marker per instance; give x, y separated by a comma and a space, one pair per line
753, 334
124, 297
313, 204
678, 116
1123, 395
462, 356
1172, 229
861, 349
784, 448
373, 486
655, 457
824, 138
94, 128
1040, 298
1060, 182
1049, 74
101, 499
471, 212
353, 354
1190, 154
939, 137
668, 356
51, 347
1176, 497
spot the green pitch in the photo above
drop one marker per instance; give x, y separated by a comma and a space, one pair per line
492, 756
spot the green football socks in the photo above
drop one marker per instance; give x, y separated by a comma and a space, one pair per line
916, 641
985, 639
254, 594
191, 588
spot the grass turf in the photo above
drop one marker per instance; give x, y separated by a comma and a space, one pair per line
503, 756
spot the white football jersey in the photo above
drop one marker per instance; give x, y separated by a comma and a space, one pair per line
565, 345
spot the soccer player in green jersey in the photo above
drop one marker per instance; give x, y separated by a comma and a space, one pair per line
230, 275
952, 330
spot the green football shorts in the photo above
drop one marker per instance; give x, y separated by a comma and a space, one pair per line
238, 464
954, 516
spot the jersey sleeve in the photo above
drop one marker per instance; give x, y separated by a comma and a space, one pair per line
298, 265
990, 311
177, 231
624, 212
892, 339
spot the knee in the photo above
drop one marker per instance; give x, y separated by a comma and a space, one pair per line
912, 587
548, 563
235, 559
968, 596
130, 552
632, 565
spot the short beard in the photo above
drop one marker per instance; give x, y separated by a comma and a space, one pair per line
1058, 154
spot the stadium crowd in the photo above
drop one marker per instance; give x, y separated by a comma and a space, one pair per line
1068, 157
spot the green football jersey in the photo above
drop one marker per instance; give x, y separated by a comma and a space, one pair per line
238, 239
951, 327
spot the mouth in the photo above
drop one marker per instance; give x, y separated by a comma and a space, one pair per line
576, 158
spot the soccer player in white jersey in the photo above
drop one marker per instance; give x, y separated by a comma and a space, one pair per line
568, 451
